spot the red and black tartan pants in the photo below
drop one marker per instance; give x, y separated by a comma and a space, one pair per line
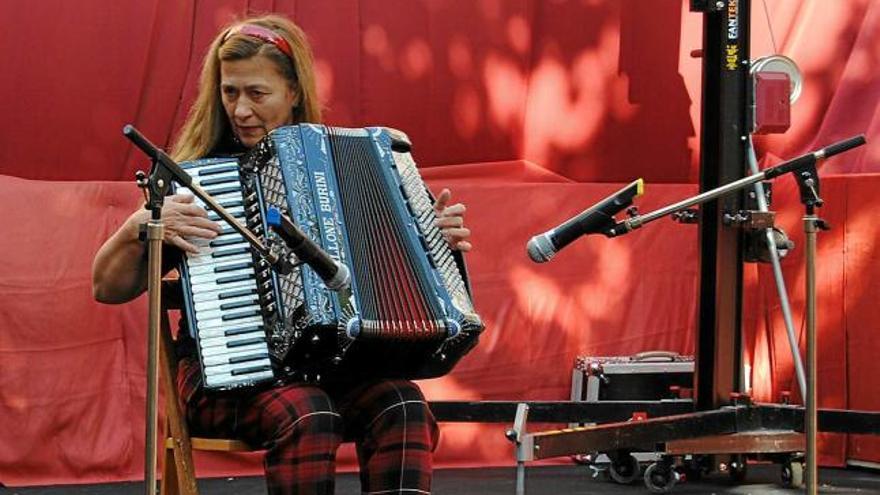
301, 426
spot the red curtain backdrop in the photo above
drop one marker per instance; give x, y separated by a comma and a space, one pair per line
529, 110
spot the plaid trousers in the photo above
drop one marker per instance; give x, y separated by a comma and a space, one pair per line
301, 425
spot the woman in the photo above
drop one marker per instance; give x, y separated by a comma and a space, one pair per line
258, 75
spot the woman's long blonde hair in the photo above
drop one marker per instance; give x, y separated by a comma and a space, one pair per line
206, 123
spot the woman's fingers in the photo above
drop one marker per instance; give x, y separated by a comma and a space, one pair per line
457, 209
457, 234
463, 246
449, 222
176, 240
442, 199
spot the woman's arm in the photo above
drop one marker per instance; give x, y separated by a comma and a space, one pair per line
119, 271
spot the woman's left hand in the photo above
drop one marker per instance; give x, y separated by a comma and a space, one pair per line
450, 219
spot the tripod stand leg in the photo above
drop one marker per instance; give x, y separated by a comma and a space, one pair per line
780, 280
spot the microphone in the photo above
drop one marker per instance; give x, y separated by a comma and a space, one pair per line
599, 218
334, 274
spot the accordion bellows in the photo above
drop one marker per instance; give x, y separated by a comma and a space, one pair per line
358, 194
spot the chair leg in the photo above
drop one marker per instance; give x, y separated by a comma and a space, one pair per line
170, 484
179, 469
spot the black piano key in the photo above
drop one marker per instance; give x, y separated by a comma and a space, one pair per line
225, 242
251, 369
231, 203
233, 267
236, 293
223, 190
221, 253
240, 330
240, 315
242, 343
218, 170
249, 357
220, 180
237, 304
234, 278
215, 217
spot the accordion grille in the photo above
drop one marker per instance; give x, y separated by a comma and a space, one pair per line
398, 301
290, 286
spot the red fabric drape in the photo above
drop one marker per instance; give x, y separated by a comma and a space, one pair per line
595, 91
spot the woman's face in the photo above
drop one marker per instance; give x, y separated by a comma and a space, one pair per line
256, 97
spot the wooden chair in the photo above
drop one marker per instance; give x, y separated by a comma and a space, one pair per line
178, 471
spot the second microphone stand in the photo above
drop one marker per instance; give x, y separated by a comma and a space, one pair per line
804, 170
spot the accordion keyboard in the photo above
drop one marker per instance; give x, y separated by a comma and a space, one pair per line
223, 296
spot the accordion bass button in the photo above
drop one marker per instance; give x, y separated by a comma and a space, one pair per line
453, 328
353, 328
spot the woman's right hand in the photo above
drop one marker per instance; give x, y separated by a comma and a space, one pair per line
182, 218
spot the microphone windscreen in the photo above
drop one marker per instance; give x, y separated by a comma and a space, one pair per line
540, 248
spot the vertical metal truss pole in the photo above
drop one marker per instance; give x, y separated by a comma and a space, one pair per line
780, 280
723, 142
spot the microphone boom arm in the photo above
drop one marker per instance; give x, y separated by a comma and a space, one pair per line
804, 162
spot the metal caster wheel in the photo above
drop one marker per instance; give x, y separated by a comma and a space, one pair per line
624, 470
793, 474
660, 478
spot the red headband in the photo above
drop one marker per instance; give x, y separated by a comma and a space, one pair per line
264, 34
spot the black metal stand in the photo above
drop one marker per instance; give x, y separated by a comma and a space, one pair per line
156, 186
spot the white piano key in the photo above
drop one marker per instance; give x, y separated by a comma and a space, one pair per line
225, 341
220, 355
213, 284
227, 369
230, 380
232, 174
215, 304
220, 322
206, 268
203, 278
202, 316
213, 293
206, 258
221, 331
203, 168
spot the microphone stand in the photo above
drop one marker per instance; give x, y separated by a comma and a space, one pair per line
156, 186
808, 184
804, 169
